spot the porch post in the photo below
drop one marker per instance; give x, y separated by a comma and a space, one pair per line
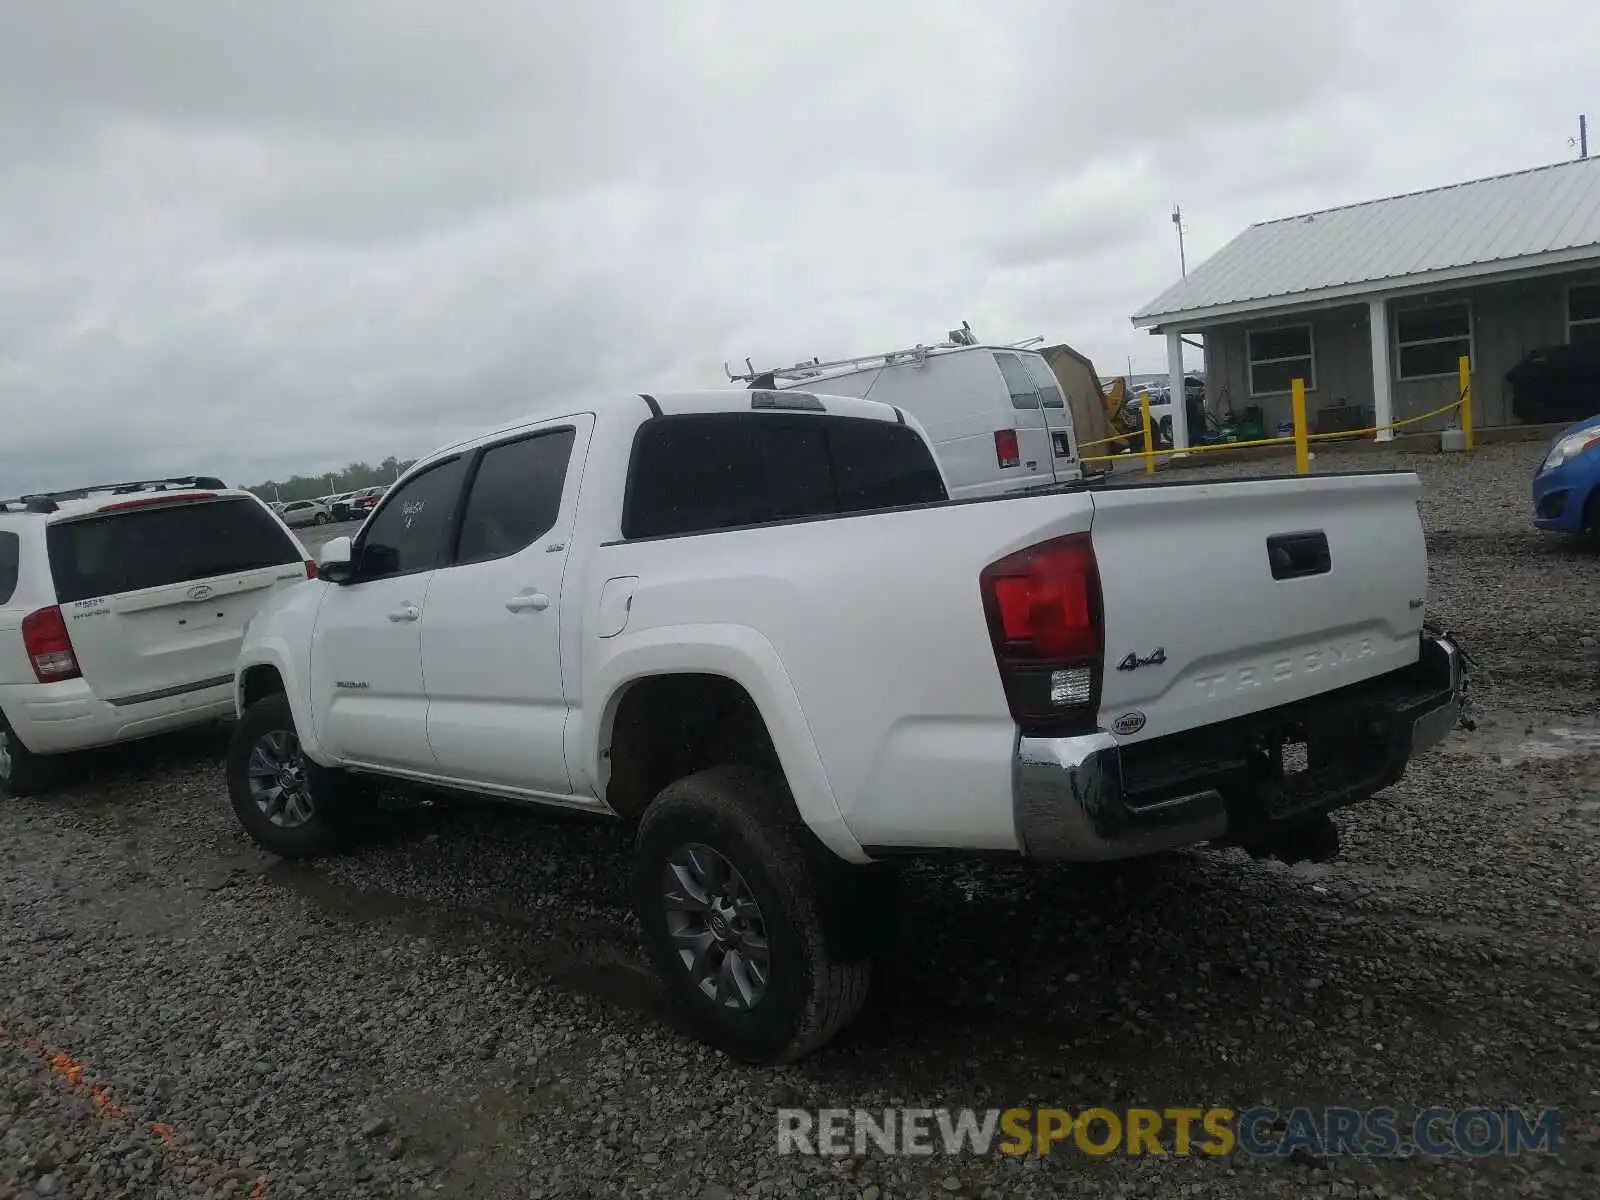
1382, 393
1180, 410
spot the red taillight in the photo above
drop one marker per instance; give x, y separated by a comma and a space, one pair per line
153, 501
44, 635
1006, 450
311, 568
1044, 611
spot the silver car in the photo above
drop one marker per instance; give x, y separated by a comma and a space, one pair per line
305, 512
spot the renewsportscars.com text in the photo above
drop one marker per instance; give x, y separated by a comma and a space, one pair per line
1259, 1132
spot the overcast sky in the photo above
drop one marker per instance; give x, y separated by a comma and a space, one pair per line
251, 238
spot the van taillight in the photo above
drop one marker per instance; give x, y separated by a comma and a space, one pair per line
1006, 451
44, 636
1045, 621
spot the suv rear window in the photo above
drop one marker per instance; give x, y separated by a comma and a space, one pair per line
154, 547
10, 558
702, 472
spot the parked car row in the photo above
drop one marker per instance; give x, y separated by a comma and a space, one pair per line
357, 505
346, 506
764, 629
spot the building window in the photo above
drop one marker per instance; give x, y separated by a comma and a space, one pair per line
1280, 356
1583, 314
1431, 341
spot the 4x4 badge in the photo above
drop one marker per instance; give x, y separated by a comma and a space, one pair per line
1133, 662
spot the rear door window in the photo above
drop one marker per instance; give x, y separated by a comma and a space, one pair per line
515, 495
10, 561
1024, 388
708, 471
1045, 379
158, 546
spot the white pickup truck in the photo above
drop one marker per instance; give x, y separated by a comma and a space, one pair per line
752, 625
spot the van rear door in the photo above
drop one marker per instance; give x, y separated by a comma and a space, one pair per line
156, 591
1032, 417
1057, 418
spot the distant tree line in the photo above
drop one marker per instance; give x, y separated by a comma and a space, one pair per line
352, 478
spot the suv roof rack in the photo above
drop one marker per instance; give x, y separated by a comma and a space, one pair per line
49, 502
957, 339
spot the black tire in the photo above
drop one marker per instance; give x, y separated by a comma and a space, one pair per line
813, 988
22, 772
339, 802
322, 519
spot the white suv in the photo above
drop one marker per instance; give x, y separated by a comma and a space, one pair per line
121, 612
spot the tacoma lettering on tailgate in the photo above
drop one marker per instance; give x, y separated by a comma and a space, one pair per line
1281, 670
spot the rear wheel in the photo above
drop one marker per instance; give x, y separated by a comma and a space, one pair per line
288, 804
22, 772
733, 906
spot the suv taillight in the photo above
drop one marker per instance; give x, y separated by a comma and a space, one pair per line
1045, 621
1007, 452
44, 634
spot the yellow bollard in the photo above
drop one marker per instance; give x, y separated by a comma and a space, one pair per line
1302, 447
1464, 381
1149, 451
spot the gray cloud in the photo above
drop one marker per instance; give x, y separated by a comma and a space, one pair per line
260, 238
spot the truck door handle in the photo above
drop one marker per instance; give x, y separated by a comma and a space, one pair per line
1298, 555
524, 601
406, 612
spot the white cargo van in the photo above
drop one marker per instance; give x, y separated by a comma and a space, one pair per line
995, 414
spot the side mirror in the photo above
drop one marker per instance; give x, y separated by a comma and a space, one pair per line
334, 563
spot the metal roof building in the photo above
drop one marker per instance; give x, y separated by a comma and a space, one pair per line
1373, 303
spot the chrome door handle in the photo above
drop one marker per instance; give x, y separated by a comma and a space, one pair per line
406, 612
537, 601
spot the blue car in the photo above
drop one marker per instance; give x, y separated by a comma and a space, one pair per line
1566, 489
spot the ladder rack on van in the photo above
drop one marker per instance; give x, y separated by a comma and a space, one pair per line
48, 502
915, 354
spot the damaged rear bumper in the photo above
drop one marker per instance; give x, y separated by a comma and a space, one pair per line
1088, 799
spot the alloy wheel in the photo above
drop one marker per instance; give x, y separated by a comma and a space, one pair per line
716, 927
276, 771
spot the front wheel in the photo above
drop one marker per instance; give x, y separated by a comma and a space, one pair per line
288, 804
22, 772
732, 907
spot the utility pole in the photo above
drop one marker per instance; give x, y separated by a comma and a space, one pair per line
1583, 136
1177, 221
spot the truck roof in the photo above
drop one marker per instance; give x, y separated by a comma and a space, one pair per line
639, 406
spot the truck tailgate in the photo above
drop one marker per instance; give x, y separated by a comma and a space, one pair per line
1226, 598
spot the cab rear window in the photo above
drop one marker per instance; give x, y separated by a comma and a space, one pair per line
159, 546
696, 473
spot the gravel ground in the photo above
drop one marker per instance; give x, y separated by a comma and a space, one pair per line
463, 1010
